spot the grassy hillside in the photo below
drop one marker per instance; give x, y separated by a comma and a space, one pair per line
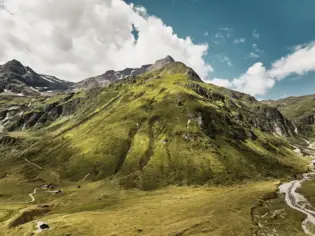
161, 128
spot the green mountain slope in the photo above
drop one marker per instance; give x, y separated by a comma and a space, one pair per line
156, 129
300, 110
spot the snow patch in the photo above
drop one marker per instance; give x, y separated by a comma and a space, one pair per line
47, 79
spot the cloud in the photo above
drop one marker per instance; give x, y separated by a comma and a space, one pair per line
301, 61
252, 55
221, 82
226, 29
75, 39
240, 40
256, 35
206, 33
226, 60
255, 81
258, 80
222, 35
219, 35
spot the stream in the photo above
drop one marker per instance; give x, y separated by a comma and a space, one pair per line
298, 202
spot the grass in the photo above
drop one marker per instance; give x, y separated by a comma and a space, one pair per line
273, 217
308, 190
102, 209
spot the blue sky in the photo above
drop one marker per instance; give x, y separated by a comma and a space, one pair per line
265, 48
241, 33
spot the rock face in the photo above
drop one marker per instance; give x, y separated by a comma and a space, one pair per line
25, 116
300, 110
16, 79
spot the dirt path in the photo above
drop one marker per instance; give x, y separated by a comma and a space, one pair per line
32, 195
32, 163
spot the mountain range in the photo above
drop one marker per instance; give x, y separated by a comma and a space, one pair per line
159, 122
19, 80
118, 153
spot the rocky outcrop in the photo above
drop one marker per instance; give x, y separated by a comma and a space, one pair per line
159, 64
239, 121
275, 121
193, 75
25, 117
215, 96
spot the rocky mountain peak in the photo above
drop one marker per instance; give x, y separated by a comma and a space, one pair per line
161, 63
19, 80
14, 66
167, 59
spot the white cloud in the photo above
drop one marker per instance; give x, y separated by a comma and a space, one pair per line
255, 81
252, 55
221, 82
256, 35
226, 29
240, 40
206, 33
219, 35
226, 60
75, 39
222, 34
301, 61
258, 80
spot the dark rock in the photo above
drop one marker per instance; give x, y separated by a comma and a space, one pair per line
43, 206
206, 93
44, 226
14, 66
193, 75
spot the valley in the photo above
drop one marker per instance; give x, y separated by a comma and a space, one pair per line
148, 151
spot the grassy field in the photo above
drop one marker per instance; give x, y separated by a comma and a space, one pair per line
102, 208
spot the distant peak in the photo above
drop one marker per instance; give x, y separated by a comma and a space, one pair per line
161, 63
14, 66
14, 62
168, 59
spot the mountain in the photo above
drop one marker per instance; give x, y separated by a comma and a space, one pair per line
300, 110
161, 144
112, 76
18, 80
161, 127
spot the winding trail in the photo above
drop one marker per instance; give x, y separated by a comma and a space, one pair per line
32, 163
32, 195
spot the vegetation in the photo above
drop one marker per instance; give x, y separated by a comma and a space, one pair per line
204, 156
101, 208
